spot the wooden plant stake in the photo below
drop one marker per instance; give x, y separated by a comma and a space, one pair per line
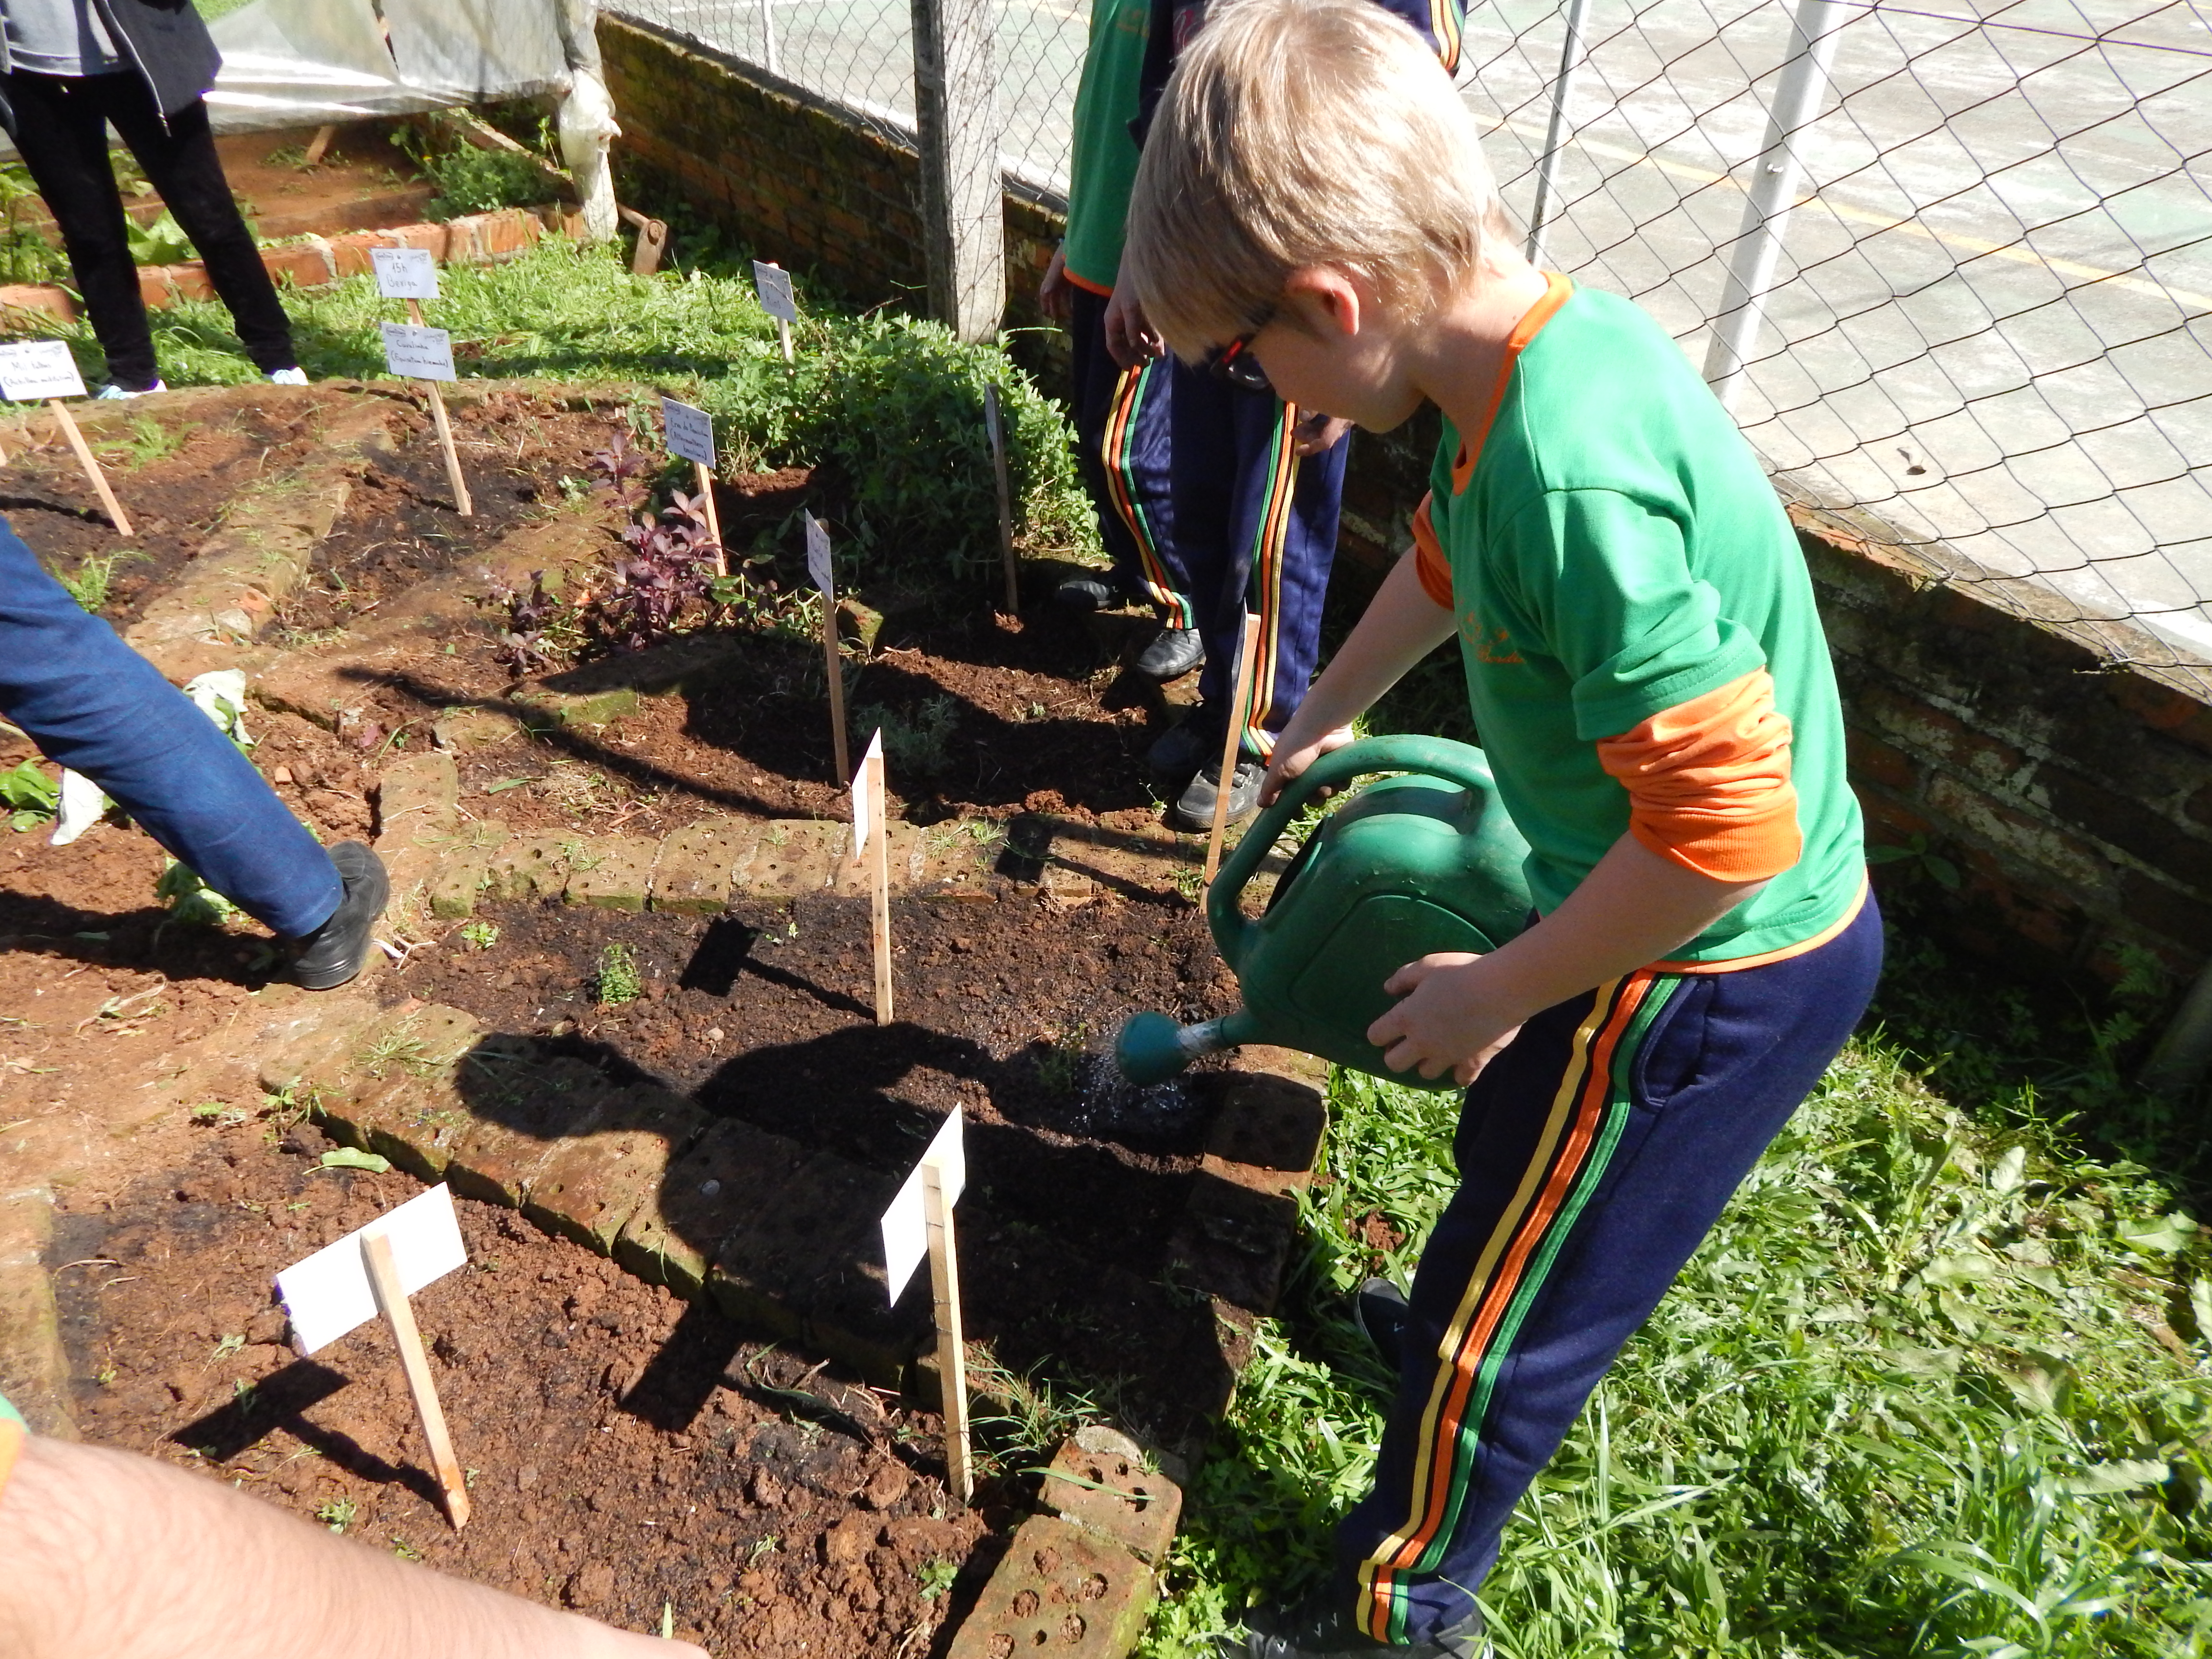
35, 370
691, 438
818, 566
116, 515
392, 1301
951, 1352
773, 283
994, 424
919, 1223
461, 503
374, 1270
318, 145
872, 842
1237, 715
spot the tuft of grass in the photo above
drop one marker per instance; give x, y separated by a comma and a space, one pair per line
616, 980
150, 442
90, 583
1940, 1383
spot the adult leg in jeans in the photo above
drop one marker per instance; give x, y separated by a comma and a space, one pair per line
62, 134
93, 703
181, 163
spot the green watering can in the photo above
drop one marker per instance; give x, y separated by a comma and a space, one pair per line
1406, 867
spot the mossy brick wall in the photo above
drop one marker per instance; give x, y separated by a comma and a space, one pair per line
819, 188
2071, 792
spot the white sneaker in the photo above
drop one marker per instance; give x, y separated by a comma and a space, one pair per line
112, 390
287, 377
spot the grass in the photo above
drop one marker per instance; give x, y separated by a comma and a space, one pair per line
1937, 1384
90, 583
616, 980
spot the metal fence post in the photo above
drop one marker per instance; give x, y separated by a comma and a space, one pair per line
963, 194
1563, 89
770, 61
1772, 193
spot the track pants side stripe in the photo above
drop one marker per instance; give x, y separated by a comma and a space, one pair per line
1117, 453
1271, 546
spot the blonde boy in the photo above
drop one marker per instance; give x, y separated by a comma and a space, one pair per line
1648, 678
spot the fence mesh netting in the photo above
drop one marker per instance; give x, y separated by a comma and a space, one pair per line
1986, 333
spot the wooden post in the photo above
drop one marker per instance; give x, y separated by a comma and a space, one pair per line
951, 1354
783, 333
994, 424
713, 518
1230, 744
84, 458
837, 666
879, 884
461, 503
318, 144
962, 191
392, 1301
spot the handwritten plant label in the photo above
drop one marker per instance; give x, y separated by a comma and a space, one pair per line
32, 370
906, 1223
405, 273
773, 283
418, 353
690, 432
818, 555
864, 786
328, 1294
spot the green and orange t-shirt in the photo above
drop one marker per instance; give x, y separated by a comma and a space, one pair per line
1642, 651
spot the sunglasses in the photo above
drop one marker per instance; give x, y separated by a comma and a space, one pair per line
1235, 362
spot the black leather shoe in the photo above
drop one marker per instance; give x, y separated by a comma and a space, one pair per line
1379, 1309
334, 952
1194, 808
1317, 1628
1179, 752
1172, 654
1084, 593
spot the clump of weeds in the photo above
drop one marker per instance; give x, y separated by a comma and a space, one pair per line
616, 980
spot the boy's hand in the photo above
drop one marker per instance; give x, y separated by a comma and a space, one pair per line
1055, 294
1129, 337
1289, 761
1317, 433
1448, 1018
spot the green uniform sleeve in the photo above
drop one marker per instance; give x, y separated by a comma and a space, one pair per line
1606, 582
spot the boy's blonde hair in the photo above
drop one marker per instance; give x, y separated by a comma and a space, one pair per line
1303, 132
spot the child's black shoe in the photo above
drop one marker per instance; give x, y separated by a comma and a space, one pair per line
1194, 808
1379, 1309
333, 953
1317, 1628
1173, 652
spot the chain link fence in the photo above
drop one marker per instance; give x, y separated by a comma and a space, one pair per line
1984, 326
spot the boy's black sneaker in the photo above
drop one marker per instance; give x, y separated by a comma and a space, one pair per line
1172, 654
1179, 752
1194, 808
334, 952
1084, 593
1317, 1628
1379, 1309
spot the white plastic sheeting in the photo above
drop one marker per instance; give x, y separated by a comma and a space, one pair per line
292, 63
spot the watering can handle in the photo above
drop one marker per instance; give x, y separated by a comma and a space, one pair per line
1439, 757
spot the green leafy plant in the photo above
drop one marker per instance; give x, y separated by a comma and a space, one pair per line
473, 180
616, 980
936, 1576
161, 241
352, 1158
480, 935
30, 797
919, 742
337, 1514
190, 900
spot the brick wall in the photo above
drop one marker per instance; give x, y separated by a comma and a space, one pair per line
2071, 794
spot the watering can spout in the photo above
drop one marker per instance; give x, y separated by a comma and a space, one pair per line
1152, 1047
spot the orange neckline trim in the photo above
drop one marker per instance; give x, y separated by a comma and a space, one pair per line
1556, 287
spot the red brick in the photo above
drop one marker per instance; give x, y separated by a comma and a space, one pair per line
1870, 757
349, 253
38, 296
307, 264
435, 238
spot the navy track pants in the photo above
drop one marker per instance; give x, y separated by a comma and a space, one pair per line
1207, 514
1594, 1155
91, 702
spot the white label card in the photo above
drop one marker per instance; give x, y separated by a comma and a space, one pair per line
773, 283
864, 790
328, 1294
31, 370
420, 354
405, 273
818, 555
992, 423
906, 1223
690, 432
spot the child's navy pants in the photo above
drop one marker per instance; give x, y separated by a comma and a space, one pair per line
1595, 1154
93, 703
1207, 514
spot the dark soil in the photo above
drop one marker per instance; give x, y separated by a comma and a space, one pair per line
625, 1451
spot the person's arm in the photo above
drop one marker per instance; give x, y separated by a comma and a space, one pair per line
1634, 908
1055, 294
1402, 624
110, 1553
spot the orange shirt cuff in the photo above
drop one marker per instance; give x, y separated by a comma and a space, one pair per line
1708, 782
1429, 561
11, 1441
